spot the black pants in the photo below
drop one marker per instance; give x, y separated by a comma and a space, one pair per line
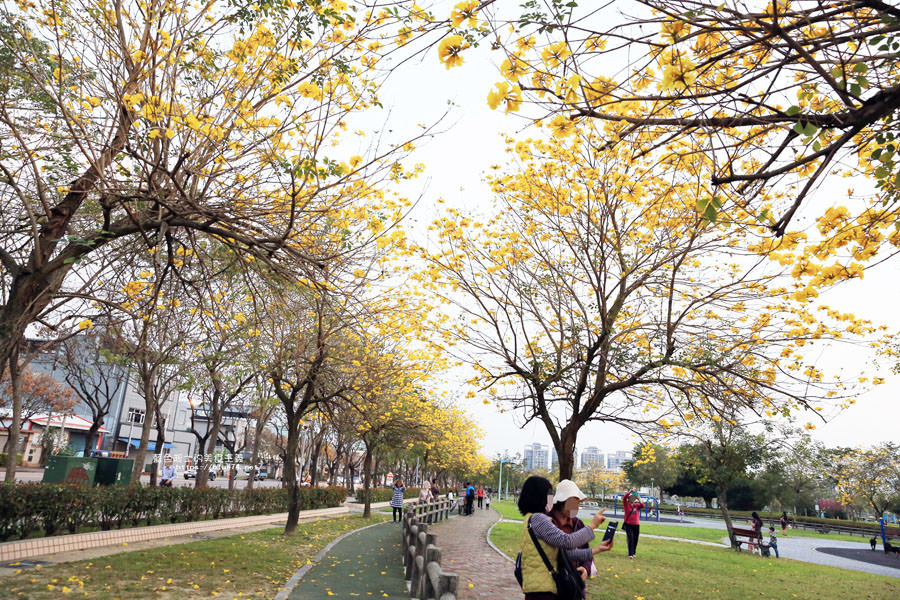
632, 532
398, 511
481, 502
469, 503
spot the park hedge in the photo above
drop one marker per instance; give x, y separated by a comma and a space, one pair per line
29, 508
383, 494
3, 456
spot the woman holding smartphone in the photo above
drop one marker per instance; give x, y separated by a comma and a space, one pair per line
535, 501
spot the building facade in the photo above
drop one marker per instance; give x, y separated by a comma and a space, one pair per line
536, 456
615, 460
591, 456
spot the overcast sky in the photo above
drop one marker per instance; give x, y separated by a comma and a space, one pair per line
455, 164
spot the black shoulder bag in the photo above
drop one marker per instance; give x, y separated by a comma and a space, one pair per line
569, 584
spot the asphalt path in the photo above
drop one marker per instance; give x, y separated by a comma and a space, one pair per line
365, 564
856, 556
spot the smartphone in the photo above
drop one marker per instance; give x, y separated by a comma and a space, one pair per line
610, 531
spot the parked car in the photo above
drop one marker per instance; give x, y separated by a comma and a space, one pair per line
192, 474
260, 473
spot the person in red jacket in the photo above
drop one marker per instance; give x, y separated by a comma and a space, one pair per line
633, 505
480, 495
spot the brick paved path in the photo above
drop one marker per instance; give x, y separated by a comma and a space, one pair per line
483, 573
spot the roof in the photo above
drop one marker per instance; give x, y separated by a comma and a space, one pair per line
73, 422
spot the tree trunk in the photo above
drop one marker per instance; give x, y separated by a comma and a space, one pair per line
253, 462
149, 411
16, 426
160, 443
565, 452
367, 482
92, 435
290, 474
203, 472
723, 507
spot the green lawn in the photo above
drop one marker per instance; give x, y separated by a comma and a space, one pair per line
251, 565
508, 509
672, 570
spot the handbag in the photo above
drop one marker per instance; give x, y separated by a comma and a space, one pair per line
569, 585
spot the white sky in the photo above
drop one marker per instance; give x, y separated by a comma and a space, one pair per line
455, 163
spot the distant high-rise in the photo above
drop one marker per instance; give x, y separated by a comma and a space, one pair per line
591, 456
614, 460
536, 456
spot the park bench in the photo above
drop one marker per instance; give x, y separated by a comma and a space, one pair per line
747, 536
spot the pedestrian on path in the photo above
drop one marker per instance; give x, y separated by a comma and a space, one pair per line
480, 494
535, 501
773, 541
632, 505
784, 522
397, 500
435, 491
470, 498
564, 515
487, 499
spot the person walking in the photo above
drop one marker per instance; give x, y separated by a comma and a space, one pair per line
487, 500
480, 495
632, 505
470, 498
397, 500
535, 500
773, 541
784, 522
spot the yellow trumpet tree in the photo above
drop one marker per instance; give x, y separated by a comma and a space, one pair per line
595, 291
160, 119
774, 90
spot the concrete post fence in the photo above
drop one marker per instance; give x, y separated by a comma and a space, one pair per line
421, 557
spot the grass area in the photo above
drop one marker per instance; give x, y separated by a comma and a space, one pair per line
508, 509
679, 531
672, 570
250, 565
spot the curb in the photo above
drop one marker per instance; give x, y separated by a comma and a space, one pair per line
488, 537
284, 592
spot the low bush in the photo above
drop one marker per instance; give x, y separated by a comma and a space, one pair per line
383, 494
61, 508
3, 456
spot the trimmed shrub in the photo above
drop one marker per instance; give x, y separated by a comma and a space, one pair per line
3, 456
58, 508
383, 494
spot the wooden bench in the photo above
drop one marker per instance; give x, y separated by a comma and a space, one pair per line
747, 536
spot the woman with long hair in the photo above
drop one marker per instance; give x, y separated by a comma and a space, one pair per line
535, 501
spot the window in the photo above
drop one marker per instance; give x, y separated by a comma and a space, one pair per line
135, 415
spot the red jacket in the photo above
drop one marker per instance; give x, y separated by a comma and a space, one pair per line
632, 511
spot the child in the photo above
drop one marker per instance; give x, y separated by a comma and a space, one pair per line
773, 541
487, 499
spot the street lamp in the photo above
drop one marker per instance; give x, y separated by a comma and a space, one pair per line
500, 477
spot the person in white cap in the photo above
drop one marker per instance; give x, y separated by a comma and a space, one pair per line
564, 514
538, 531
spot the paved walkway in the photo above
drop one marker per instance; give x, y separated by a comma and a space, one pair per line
483, 573
363, 564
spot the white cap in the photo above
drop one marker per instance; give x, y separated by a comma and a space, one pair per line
566, 489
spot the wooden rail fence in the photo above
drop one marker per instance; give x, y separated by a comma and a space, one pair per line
421, 557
